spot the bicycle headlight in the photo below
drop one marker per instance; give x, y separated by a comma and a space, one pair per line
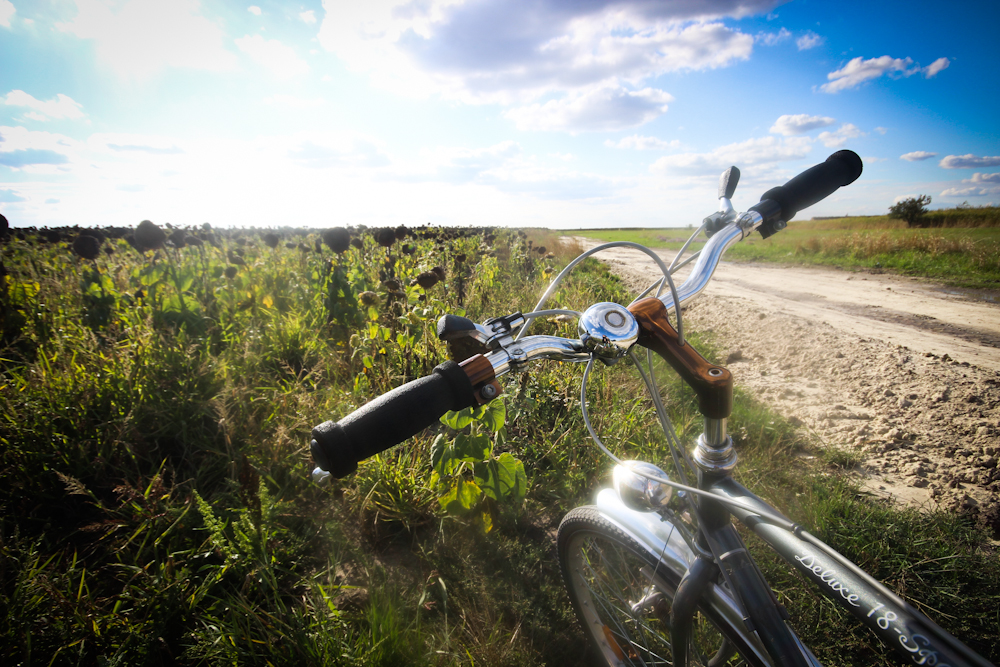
638, 492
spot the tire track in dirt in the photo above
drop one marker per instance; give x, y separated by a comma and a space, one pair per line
900, 370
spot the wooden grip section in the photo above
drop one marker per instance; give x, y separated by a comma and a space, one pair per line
480, 372
712, 384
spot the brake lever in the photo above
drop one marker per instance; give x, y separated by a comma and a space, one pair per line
466, 339
726, 213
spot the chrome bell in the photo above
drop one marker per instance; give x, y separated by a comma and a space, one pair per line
641, 493
608, 330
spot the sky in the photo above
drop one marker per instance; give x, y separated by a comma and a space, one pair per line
550, 113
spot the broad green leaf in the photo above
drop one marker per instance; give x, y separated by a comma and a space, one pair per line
457, 420
267, 301
472, 448
461, 498
367, 361
185, 280
487, 520
486, 478
438, 450
494, 415
468, 494
513, 480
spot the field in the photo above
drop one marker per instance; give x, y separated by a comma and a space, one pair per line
964, 251
156, 501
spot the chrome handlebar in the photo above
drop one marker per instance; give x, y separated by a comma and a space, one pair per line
515, 353
710, 256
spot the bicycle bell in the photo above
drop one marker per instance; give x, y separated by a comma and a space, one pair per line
608, 330
641, 493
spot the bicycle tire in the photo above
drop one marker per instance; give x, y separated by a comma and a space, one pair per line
607, 573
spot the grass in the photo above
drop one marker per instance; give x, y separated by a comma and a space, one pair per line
963, 252
155, 504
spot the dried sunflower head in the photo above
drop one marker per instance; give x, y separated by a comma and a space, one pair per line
368, 298
385, 237
148, 236
338, 238
231, 272
87, 246
427, 279
271, 240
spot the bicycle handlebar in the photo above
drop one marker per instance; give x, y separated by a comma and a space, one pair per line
780, 204
390, 419
337, 447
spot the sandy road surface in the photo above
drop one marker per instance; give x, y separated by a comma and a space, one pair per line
903, 371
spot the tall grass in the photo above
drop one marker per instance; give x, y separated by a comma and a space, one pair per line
155, 503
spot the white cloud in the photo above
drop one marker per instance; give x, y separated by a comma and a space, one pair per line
808, 41
10, 197
936, 66
605, 108
308, 16
641, 143
765, 150
881, 130
859, 70
790, 125
125, 43
970, 192
917, 156
969, 161
474, 53
254, 9
7, 11
36, 152
772, 38
62, 106
275, 56
839, 137
980, 185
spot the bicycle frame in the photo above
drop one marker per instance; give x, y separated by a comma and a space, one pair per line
895, 622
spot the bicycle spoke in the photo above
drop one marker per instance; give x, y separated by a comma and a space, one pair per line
612, 585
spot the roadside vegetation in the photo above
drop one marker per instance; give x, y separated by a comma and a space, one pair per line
959, 247
157, 389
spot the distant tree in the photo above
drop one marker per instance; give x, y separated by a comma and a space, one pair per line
910, 209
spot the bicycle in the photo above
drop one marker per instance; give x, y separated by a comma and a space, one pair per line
658, 577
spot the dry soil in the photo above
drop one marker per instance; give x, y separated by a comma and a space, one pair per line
902, 371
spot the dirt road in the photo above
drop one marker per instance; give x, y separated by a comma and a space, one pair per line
904, 372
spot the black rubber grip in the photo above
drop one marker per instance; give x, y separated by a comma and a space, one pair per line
814, 184
390, 419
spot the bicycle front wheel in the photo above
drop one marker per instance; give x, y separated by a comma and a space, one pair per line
622, 593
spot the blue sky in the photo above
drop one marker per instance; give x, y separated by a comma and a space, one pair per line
556, 113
